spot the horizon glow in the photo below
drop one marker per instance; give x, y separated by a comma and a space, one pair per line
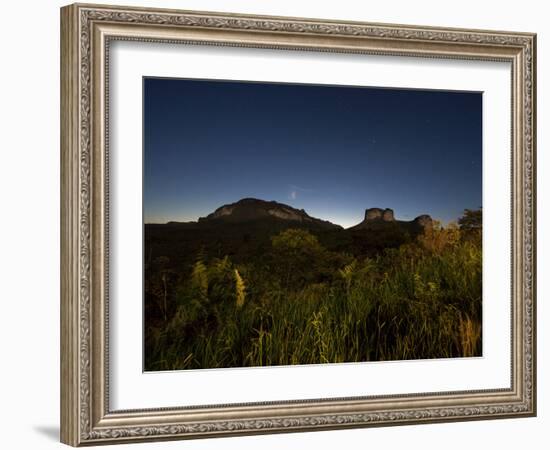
333, 151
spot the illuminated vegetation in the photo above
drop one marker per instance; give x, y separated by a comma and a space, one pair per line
300, 303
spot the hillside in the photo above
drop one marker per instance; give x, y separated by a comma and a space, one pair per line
252, 209
259, 283
242, 230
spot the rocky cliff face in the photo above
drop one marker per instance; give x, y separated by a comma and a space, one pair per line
387, 215
379, 214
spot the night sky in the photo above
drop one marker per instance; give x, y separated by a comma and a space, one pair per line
331, 150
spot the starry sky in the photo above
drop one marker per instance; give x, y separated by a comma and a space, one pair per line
331, 150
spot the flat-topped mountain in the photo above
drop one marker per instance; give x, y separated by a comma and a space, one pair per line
376, 217
244, 230
252, 209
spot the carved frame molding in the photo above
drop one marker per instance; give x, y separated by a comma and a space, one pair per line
86, 31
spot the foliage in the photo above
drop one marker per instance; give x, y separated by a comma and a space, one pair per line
300, 303
294, 252
239, 289
471, 220
437, 239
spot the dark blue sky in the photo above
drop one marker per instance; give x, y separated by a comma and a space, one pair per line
331, 150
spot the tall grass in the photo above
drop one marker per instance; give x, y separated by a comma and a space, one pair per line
422, 300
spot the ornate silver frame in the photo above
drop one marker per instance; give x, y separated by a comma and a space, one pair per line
86, 31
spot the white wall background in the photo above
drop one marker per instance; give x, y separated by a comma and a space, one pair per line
29, 222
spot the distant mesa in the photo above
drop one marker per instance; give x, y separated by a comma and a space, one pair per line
256, 210
252, 209
375, 217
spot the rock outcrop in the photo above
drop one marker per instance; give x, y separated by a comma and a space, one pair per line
379, 214
376, 217
373, 214
387, 215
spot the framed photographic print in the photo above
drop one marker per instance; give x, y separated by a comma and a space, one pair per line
275, 224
